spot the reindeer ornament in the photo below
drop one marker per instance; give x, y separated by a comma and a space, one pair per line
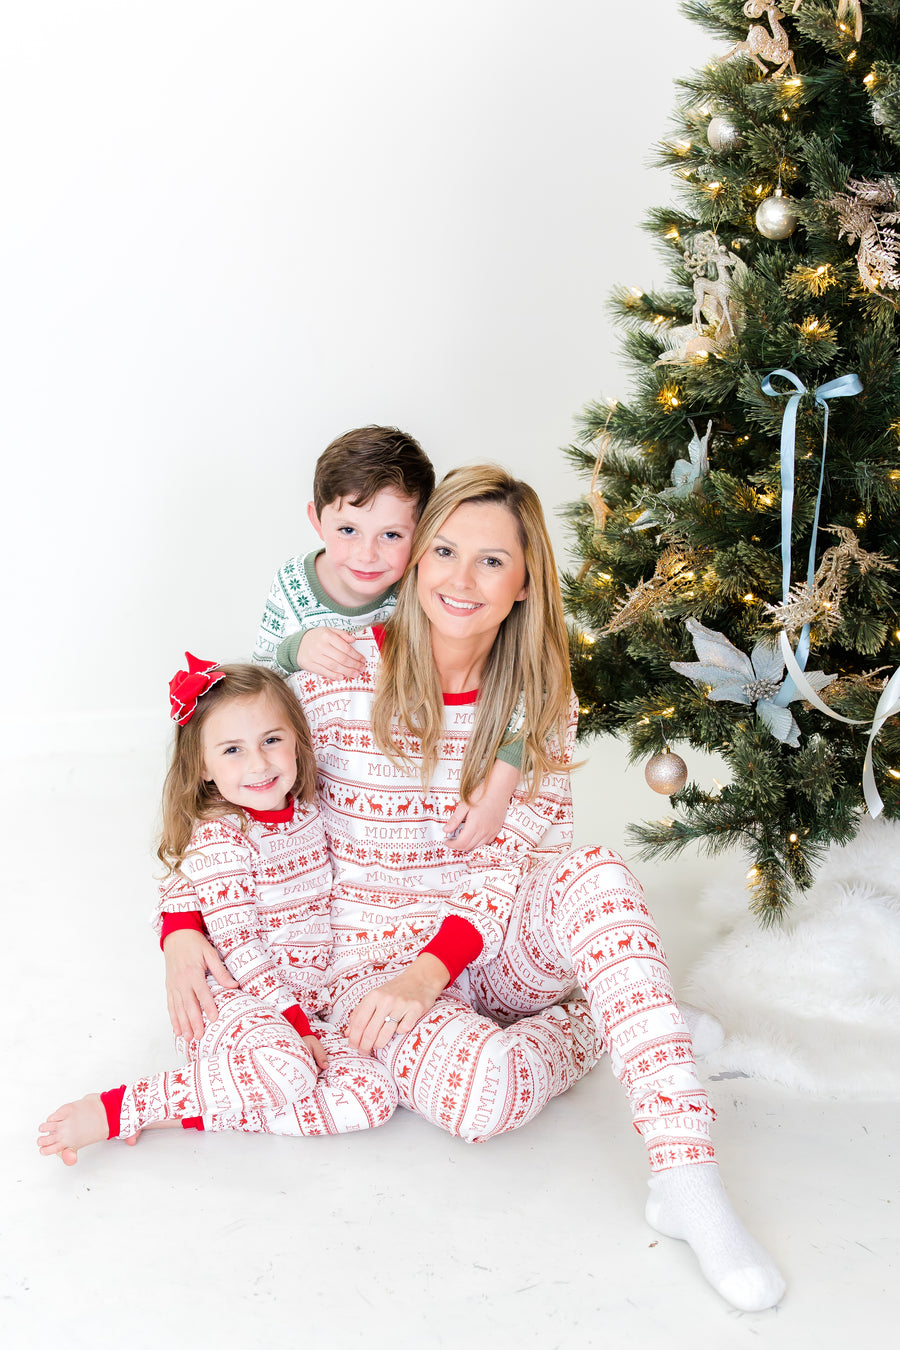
760, 45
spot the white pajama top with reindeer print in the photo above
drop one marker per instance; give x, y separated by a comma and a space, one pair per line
263, 894
398, 889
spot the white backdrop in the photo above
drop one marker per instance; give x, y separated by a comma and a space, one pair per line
234, 230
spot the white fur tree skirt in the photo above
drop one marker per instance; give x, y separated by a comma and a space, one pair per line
815, 1004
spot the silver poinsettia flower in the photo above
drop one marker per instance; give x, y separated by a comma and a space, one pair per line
757, 679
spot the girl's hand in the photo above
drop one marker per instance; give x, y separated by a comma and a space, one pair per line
330, 652
189, 955
397, 1006
317, 1050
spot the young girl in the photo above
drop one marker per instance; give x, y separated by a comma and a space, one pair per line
243, 843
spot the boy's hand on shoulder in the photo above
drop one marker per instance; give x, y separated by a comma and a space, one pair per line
479, 821
330, 652
474, 826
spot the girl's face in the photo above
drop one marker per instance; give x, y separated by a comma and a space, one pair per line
249, 752
473, 572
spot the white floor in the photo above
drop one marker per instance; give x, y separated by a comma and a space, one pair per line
402, 1237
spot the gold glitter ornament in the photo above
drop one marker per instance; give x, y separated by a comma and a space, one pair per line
594, 497
777, 217
820, 603
762, 45
666, 772
723, 135
674, 571
870, 214
851, 9
715, 271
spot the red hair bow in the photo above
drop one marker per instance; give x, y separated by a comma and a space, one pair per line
186, 686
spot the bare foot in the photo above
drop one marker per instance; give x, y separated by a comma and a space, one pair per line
72, 1127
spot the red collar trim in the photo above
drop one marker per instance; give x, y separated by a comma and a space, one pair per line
450, 700
282, 817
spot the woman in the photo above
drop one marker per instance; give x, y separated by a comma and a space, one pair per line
451, 970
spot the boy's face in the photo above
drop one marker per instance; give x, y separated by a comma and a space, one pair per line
366, 547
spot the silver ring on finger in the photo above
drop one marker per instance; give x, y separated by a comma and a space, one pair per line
393, 1019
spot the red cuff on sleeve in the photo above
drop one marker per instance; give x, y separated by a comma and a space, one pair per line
112, 1105
456, 943
171, 923
298, 1020
192, 1123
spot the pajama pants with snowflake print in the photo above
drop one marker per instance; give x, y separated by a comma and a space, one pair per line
251, 1071
578, 920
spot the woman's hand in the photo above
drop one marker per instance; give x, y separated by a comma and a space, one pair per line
397, 1005
188, 957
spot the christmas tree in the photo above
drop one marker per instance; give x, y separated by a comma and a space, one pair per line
739, 581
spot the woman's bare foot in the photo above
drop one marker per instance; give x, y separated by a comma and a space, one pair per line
72, 1127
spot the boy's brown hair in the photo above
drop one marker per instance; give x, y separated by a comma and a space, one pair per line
362, 462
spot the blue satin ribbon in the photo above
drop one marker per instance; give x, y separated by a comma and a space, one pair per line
795, 683
842, 387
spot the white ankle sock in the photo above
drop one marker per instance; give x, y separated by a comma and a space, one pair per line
690, 1203
707, 1032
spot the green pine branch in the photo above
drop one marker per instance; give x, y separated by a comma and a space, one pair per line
805, 304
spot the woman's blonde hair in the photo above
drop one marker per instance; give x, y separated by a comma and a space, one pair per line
527, 668
187, 796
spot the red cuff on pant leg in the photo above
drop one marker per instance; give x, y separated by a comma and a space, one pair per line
112, 1105
192, 1123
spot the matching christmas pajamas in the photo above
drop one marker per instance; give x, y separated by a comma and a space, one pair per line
264, 897
520, 924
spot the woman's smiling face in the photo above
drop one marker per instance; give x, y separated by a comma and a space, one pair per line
473, 572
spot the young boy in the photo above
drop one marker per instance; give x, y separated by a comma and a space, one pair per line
369, 488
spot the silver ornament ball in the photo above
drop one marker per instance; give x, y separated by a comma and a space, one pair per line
723, 135
666, 772
777, 217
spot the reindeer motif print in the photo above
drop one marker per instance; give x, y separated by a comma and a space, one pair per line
762, 46
535, 917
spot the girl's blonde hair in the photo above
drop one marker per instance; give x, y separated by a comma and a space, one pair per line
527, 667
187, 796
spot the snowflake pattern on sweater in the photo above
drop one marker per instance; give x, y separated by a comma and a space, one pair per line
296, 602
